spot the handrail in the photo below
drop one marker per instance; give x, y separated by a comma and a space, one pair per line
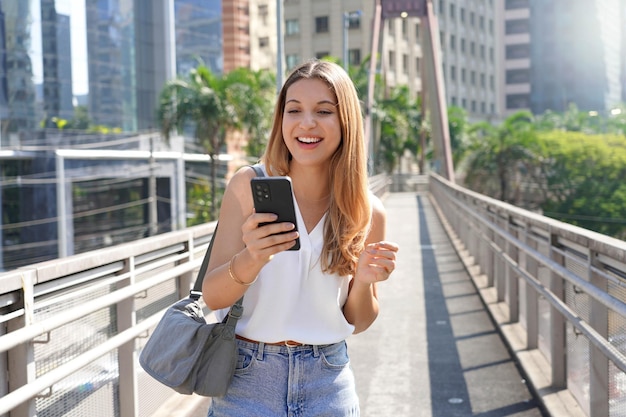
170, 257
559, 263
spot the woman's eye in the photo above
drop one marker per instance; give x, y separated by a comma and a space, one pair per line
325, 112
291, 111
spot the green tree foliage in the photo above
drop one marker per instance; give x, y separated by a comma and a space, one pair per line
395, 126
553, 163
584, 176
210, 106
502, 158
458, 128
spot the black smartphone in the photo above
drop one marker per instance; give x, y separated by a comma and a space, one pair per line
275, 195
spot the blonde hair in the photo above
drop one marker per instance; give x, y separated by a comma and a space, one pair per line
349, 213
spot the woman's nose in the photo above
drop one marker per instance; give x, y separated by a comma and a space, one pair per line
307, 121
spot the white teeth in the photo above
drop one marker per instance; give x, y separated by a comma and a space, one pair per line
309, 140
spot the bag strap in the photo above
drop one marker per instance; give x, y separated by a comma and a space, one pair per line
196, 291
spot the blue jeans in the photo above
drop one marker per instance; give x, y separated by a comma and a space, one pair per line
302, 381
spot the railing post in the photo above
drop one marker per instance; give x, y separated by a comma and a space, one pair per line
185, 281
532, 299
598, 362
558, 342
21, 359
127, 368
499, 267
488, 261
512, 279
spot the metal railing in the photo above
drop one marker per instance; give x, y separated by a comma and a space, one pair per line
74, 325
562, 287
71, 329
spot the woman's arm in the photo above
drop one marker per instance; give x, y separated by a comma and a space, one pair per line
241, 247
375, 264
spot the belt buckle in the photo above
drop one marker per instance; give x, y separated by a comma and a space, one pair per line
292, 344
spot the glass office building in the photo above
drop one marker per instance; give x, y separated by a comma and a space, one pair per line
111, 56
198, 35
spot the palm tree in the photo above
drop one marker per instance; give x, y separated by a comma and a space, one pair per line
211, 106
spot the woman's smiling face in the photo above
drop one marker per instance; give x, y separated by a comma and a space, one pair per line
311, 127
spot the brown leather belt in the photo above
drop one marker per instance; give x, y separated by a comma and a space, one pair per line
288, 343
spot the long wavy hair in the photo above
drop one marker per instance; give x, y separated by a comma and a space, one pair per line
349, 213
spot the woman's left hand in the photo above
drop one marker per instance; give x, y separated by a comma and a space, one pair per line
376, 262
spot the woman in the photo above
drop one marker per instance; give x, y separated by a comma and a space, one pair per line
300, 306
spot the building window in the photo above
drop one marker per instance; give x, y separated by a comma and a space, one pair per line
417, 31
264, 42
452, 42
483, 107
462, 15
473, 77
517, 101
516, 26
262, 9
292, 27
481, 22
392, 60
452, 73
464, 103
482, 51
405, 64
405, 29
516, 4
492, 83
354, 20
472, 19
390, 26
321, 55
517, 51
452, 11
518, 76
463, 45
417, 66
473, 106
463, 77
292, 60
321, 24
482, 81
453, 100
472, 48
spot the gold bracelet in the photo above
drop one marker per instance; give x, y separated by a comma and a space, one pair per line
234, 277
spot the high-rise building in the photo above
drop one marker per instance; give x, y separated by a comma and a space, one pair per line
130, 56
236, 34
469, 48
198, 35
563, 52
116, 53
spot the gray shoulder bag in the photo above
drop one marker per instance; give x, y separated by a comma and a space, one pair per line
188, 354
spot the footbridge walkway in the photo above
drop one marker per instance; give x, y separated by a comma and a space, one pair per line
492, 311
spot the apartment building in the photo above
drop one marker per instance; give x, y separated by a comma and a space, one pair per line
469, 50
315, 29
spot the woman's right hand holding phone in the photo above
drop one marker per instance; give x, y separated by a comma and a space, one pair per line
264, 238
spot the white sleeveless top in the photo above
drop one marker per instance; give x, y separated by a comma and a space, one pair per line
293, 300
